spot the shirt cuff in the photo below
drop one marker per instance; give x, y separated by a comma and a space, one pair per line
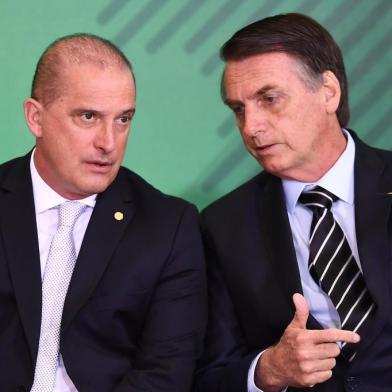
251, 376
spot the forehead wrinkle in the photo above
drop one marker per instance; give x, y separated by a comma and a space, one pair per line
255, 75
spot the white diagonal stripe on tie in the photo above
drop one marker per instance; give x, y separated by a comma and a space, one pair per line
353, 307
340, 273
317, 225
331, 259
322, 246
364, 317
348, 289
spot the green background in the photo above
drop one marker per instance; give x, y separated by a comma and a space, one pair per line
183, 139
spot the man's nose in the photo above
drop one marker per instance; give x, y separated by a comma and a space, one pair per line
254, 122
105, 138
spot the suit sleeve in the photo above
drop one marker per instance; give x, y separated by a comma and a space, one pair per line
172, 338
226, 360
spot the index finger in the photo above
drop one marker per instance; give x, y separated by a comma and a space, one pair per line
334, 335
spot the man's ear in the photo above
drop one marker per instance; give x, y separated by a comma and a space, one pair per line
332, 92
33, 111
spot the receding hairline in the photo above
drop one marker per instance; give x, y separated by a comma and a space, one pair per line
71, 50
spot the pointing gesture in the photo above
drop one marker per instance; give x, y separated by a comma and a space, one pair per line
302, 357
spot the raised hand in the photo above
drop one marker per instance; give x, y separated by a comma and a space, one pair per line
302, 357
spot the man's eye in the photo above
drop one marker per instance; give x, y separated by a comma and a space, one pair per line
273, 99
237, 109
124, 119
88, 116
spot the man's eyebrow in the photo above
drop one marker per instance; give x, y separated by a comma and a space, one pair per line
130, 110
263, 90
82, 109
260, 91
232, 102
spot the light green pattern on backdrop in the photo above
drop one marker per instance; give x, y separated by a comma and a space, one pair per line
183, 138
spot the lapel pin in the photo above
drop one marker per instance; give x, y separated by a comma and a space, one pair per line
119, 216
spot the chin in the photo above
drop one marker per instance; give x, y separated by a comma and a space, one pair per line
95, 187
275, 169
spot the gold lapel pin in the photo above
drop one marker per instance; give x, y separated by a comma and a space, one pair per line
119, 216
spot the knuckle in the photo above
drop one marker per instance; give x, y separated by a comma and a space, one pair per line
305, 367
332, 350
301, 338
336, 335
298, 339
333, 335
336, 350
301, 356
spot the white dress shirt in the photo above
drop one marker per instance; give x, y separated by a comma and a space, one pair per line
340, 181
46, 202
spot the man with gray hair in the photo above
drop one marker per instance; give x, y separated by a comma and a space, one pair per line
299, 257
101, 276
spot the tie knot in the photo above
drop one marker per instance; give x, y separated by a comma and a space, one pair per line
69, 212
317, 198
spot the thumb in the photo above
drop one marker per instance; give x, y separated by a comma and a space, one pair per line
301, 312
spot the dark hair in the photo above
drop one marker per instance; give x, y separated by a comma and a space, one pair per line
299, 36
72, 49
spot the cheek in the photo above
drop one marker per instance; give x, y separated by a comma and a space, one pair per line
299, 127
247, 141
68, 153
122, 141
119, 149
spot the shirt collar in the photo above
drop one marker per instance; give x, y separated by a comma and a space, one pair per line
339, 179
45, 197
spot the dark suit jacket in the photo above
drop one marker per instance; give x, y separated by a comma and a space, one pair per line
135, 311
253, 274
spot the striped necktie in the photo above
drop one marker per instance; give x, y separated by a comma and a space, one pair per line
333, 267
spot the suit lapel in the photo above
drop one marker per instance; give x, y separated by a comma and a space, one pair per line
19, 232
279, 242
372, 214
103, 233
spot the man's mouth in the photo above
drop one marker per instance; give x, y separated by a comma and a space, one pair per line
264, 147
100, 166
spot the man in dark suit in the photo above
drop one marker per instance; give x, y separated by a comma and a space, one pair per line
292, 308
134, 310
